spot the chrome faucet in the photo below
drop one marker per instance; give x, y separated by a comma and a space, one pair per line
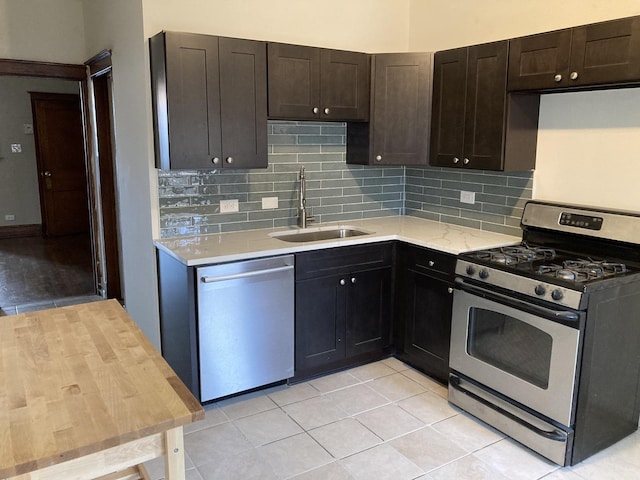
303, 219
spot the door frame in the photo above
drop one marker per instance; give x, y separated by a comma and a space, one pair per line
99, 120
79, 73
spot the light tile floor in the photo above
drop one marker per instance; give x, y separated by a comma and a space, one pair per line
379, 421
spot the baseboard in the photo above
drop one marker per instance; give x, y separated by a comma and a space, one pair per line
13, 231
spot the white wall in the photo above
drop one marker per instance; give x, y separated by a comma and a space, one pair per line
589, 149
18, 171
587, 142
360, 25
42, 30
117, 25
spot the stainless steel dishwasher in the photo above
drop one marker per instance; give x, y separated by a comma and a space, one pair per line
245, 325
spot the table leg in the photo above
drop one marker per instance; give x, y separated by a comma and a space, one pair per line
174, 454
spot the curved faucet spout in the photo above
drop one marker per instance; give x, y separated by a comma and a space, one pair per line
303, 219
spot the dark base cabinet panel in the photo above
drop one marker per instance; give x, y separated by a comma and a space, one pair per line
343, 307
423, 314
178, 335
319, 339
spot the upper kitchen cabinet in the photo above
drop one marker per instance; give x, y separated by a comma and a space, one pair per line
209, 100
475, 123
307, 83
606, 53
399, 126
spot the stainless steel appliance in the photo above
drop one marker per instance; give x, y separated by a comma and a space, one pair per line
545, 340
245, 325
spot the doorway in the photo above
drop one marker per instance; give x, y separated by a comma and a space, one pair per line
25, 236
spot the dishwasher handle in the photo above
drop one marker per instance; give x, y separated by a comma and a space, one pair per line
234, 276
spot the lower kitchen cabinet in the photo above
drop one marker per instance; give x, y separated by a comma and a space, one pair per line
423, 315
343, 307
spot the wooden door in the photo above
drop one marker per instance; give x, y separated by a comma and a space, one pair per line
59, 138
401, 109
605, 53
294, 81
368, 319
243, 102
539, 62
320, 323
485, 106
344, 85
427, 314
186, 100
448, 110
107, 181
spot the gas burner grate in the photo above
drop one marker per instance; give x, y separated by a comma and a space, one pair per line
582, 270
522, 253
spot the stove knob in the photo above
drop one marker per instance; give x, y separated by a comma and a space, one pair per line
540, 290
484, 274
471, 270
557, 294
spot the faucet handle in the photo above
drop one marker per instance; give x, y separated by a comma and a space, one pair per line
311, 218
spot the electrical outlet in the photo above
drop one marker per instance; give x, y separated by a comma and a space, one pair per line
228, 206
269, 202
467, 197
9, 218
16, 148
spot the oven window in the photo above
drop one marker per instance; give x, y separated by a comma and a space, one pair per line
510, 345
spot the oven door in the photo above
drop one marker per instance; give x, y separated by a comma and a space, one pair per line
526, 352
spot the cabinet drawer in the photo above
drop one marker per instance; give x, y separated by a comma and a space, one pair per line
342, 260
430, 262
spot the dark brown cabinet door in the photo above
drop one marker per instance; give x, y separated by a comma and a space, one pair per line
475, 124
485, 106
607, 52
368, 311
448, 111
294, 81
424, 303
539, 61
209, 99
590, 55
344, 85
399, 127
243, 102
186, 85
320, 323
307, 83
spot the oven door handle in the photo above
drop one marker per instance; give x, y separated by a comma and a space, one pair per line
565, 316
555, 435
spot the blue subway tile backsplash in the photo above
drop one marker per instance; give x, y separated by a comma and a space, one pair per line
190, 200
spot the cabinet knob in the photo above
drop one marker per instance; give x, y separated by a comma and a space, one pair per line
557, 78
456, 160
431, 263
573, 76
466, 161
353, 279
316, 110
378, 158
229, 160
450, 289
343, 282
327, 111
215, 160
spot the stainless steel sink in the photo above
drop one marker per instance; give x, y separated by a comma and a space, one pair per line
319, 233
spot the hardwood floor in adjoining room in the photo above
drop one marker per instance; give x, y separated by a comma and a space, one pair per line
42, 272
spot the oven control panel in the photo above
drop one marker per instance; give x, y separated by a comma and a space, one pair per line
524, 285
581, 221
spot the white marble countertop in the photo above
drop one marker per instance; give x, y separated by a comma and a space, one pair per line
227, 247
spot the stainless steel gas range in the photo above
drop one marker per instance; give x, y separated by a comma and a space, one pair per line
545, 338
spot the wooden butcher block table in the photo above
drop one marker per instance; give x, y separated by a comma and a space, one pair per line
84, 394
